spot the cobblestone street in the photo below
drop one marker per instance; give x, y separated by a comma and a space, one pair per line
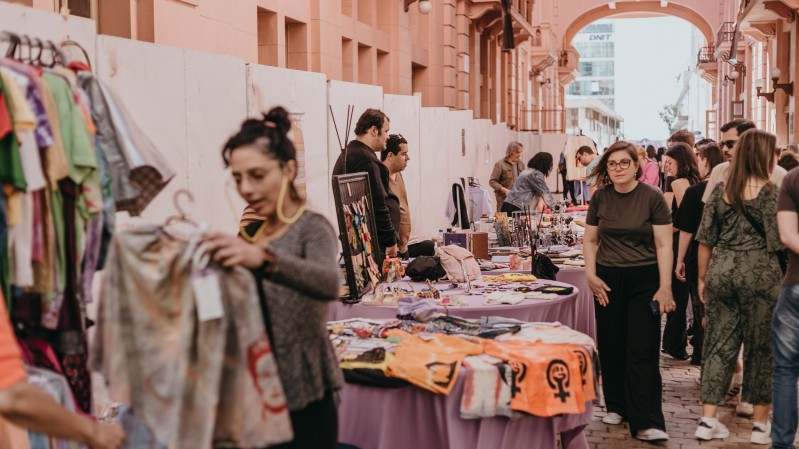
682, 409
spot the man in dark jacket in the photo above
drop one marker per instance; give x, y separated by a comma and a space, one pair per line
371, 133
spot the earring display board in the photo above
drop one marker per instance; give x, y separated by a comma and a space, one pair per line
358, 234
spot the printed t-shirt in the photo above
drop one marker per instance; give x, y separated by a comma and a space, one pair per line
12, 370
430, 362
625, 223
548, 379
788, 201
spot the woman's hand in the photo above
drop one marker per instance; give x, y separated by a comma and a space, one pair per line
701, 288
106, 436
231, 251
664, 298
680, 272
600, 290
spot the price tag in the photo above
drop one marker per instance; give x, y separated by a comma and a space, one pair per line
207, 295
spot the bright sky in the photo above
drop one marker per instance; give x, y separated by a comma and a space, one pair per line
650, 53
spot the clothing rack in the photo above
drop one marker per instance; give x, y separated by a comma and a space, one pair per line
17, 42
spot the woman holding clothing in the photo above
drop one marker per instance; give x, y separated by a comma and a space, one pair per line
739, 282
293, 255
627, 248
687, 221
682, 172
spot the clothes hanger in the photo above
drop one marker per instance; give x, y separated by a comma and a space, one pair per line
13, 40
181, 217
37, 43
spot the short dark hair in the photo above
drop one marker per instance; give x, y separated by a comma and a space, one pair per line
702, 142
585, 149
369, 118
712, 154
683, 135
788, 160
392, 145
740, 124
541, 162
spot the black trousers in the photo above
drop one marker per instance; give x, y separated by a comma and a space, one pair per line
674, 334
509, 208
628, 336
315, 426
568, 188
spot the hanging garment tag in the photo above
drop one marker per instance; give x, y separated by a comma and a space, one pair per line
207, 295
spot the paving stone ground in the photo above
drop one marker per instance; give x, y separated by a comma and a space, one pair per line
682, 409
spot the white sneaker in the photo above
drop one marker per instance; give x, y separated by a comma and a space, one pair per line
652, 435
745, 409
761, 433
707, 431
612, 418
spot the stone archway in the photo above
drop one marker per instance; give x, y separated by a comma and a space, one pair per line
703, 14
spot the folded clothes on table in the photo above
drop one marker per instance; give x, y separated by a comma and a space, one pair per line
504, 298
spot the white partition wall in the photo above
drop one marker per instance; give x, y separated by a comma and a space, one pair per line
434, 160
304, 94
216, 104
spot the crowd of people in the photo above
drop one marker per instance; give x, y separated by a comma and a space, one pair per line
712, 233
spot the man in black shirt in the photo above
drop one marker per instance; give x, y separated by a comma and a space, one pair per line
371, 133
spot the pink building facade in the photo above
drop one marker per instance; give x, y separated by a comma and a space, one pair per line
454, 58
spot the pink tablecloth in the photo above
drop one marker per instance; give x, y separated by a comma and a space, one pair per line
561, 309
584, 318
401, 418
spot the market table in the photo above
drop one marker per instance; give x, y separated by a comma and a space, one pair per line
409, 417
584, 320
561, 309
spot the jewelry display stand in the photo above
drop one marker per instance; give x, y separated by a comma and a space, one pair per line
358, 234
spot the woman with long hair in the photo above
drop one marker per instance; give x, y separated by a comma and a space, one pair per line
627, 248
687, 221
739, 282
293, 254
682, 172
649, 168
531, 185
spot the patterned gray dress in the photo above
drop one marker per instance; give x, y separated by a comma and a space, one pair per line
742, 285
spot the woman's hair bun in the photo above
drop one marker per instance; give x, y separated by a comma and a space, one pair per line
278, 118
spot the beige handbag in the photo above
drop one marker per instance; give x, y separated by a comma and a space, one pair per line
457, 261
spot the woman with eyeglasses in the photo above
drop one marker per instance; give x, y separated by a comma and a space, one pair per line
687, 221
739, 282
627, 248
682, 173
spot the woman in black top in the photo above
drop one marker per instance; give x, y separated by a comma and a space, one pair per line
627, 248
682, 172
687, 221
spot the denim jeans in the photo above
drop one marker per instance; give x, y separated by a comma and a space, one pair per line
785, 333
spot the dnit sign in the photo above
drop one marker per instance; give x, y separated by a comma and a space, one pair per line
599, 37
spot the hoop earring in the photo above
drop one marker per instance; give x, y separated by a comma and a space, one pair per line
280, 200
